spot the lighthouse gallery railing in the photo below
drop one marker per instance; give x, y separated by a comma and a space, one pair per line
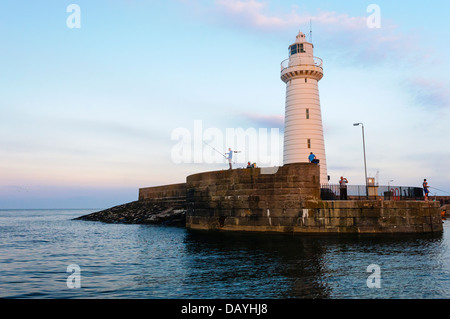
297, 61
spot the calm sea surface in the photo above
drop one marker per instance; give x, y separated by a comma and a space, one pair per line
140, 261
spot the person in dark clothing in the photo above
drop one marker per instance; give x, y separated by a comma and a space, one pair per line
343, 188
425, 188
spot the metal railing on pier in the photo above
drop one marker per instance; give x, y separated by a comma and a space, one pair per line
361, 192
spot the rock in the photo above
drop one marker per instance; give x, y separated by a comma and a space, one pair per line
141, 212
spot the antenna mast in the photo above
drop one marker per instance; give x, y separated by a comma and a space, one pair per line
310, 30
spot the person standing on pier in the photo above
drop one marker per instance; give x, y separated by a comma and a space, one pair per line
230, 157
425, 188
343, 188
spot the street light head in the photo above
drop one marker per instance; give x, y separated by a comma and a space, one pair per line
356, 124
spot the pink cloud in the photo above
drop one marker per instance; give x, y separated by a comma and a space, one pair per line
355, 40
266, 121
250, 13
346, 38
256, 14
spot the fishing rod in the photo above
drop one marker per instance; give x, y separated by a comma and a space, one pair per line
224, 155
214, 149
439, 189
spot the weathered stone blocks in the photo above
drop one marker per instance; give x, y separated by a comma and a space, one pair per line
286, 201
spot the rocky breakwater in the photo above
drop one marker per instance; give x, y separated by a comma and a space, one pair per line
140, 212
161, 205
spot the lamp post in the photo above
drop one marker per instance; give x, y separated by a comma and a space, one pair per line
389, 188
364, 150
391, 180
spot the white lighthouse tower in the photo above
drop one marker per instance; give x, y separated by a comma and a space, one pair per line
303, 131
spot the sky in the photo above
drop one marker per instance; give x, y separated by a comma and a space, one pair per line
98, 99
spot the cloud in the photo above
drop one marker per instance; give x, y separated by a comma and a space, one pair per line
429, 92
264, 121
251, 13
255, 14
348, 37
348, 40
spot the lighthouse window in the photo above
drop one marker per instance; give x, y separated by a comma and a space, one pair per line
297, 48
307, 114
301, 49
309, 143
294, 49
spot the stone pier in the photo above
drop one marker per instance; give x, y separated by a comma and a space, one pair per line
288, 201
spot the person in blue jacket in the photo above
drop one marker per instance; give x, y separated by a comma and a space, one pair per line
312, 159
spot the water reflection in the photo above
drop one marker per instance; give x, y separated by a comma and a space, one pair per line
248, 265
142, 261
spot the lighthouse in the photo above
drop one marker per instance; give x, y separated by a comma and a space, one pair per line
303, 130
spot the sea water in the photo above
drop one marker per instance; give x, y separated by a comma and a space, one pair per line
45, 254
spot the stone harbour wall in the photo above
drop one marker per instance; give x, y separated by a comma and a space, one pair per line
172, 192
289, 201
331, 217
248, 197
